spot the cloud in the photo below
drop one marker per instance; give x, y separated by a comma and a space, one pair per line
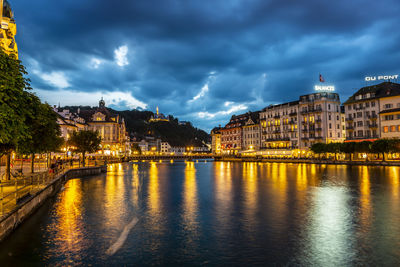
56, 79
113, 99
120, 56
95, 63
202, 92
192, 58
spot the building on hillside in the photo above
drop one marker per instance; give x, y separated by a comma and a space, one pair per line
178, 150
252, 132
373, 112
231, 134
158, 117
165, 147
111, 128
216, 140
8, 29
315, 118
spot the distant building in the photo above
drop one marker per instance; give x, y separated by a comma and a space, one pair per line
158, 117
111, 127
252, 132
374, 112
69, 122
231, 134
216, 140
165, 147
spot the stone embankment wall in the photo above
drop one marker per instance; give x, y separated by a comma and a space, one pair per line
13, 219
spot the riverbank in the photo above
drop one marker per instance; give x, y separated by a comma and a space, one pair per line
310, 161
28, 205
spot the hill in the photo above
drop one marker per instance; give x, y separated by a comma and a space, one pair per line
173, 132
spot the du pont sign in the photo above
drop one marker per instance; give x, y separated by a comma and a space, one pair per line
382, 77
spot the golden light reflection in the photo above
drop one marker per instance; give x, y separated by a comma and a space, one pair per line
394, 177
154, 194
114, 195
136, 185
250, 186
365, 197
69, 227
223, 191
190, 197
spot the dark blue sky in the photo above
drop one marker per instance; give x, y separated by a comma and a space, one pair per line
203, 60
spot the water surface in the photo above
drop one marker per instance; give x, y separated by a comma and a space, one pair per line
217, 213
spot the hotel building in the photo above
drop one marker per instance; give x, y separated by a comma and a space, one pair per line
315, 118
374, 112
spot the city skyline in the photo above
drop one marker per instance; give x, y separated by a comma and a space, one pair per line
202, 62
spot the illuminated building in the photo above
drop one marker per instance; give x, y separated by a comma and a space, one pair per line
112, 129
315, 118
69, 122
231, 134
158, 117
279, 126
374, 112
216, 140
8, 29
252, 132
320, 119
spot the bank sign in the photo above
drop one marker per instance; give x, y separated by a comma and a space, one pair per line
382, 77
324, 88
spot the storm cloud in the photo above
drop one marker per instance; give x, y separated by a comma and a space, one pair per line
203, 60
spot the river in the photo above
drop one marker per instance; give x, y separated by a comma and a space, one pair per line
217, 213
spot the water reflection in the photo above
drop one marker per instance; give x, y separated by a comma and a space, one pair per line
67, 229
328, 242
221, 213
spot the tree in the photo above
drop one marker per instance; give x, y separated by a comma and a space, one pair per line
318, 148
382, 146
333, 148
43, 128
348, 148
85, 142
13, 100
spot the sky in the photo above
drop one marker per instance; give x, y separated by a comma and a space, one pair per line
203, 61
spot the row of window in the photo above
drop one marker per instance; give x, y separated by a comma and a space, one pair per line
361, 105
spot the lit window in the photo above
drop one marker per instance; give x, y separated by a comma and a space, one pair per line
385, 129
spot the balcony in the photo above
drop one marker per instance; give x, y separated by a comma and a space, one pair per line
277, 116
350, 128
373, 125
318, 120
318, 129
372, 117
292, 122
304, 130
277, 131
318, 137
278, 139
293, 114
349, 119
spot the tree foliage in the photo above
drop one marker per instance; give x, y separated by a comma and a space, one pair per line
85, 142
14, 98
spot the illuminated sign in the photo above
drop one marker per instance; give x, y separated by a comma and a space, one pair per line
325, 88
382, 77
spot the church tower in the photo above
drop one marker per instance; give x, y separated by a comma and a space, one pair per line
8, 29
102, 103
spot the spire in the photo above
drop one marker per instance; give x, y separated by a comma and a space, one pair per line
157, 110
102, 103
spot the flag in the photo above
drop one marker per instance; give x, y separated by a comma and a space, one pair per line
321, 79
